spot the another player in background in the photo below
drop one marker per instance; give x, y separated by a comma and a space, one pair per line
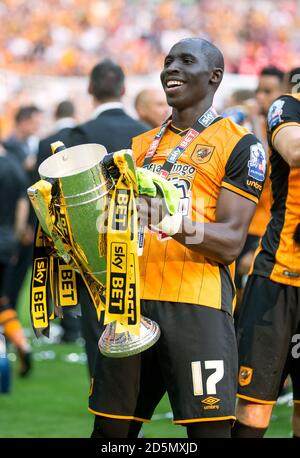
270, 86
269, 318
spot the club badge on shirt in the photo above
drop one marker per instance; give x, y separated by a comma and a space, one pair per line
257, 164
275, 112
202, 154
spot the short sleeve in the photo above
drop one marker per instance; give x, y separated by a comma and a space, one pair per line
285, 111
246, 168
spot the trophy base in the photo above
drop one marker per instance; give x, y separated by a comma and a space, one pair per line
127, 344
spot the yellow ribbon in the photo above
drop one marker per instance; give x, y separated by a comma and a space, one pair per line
122, 278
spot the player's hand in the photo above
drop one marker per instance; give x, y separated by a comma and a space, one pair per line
151, 210
246, 262
29, 163
27, 237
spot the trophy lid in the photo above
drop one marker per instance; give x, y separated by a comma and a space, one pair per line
72, 161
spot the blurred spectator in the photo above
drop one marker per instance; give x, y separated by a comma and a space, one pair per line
151, 107
252, 34
14, 209
23, 143
111, 127
241, 105
64, 120
64, 115
239, 96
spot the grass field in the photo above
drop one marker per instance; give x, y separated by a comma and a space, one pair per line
52, 402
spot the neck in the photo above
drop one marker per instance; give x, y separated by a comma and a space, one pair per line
21, 135
182, 119
98, 102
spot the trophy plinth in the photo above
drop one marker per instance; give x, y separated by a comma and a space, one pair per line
121, 345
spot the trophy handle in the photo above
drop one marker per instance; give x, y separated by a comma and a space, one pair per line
121, 345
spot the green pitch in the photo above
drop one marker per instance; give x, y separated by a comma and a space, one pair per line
52, 401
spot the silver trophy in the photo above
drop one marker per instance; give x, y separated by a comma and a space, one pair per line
85, 190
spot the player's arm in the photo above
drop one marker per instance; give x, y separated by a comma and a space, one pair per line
287, 143
22, 203
22, 211
223, 240
284, 129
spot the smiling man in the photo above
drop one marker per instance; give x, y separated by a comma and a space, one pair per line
188, 259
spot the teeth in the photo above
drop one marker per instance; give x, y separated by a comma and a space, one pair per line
174, 83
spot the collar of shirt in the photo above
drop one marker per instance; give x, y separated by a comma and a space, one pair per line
105, 107
64, 123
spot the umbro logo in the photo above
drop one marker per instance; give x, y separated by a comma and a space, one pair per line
211, 403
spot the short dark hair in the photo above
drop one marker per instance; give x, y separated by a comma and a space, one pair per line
64, 109
25, 112
241, 95
211, 51
107, 80
273, 71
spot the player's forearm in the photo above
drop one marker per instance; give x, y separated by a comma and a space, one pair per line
22, 212
287, 143
293, 155
218, 241
290, 151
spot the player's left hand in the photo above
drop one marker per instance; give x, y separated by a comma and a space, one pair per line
151, 210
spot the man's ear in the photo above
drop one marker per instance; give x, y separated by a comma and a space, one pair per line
216, 75
122, 91
91, 88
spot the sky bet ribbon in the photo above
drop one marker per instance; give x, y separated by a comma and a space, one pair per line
53, 283
39, 298
122, 278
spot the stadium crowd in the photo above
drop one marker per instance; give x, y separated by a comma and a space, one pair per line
137, 34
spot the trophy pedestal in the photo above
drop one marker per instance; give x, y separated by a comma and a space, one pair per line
126, 344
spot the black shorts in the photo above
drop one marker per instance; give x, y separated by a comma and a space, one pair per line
194, 360
268, 330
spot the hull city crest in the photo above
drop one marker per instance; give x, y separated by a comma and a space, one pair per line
202, 154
